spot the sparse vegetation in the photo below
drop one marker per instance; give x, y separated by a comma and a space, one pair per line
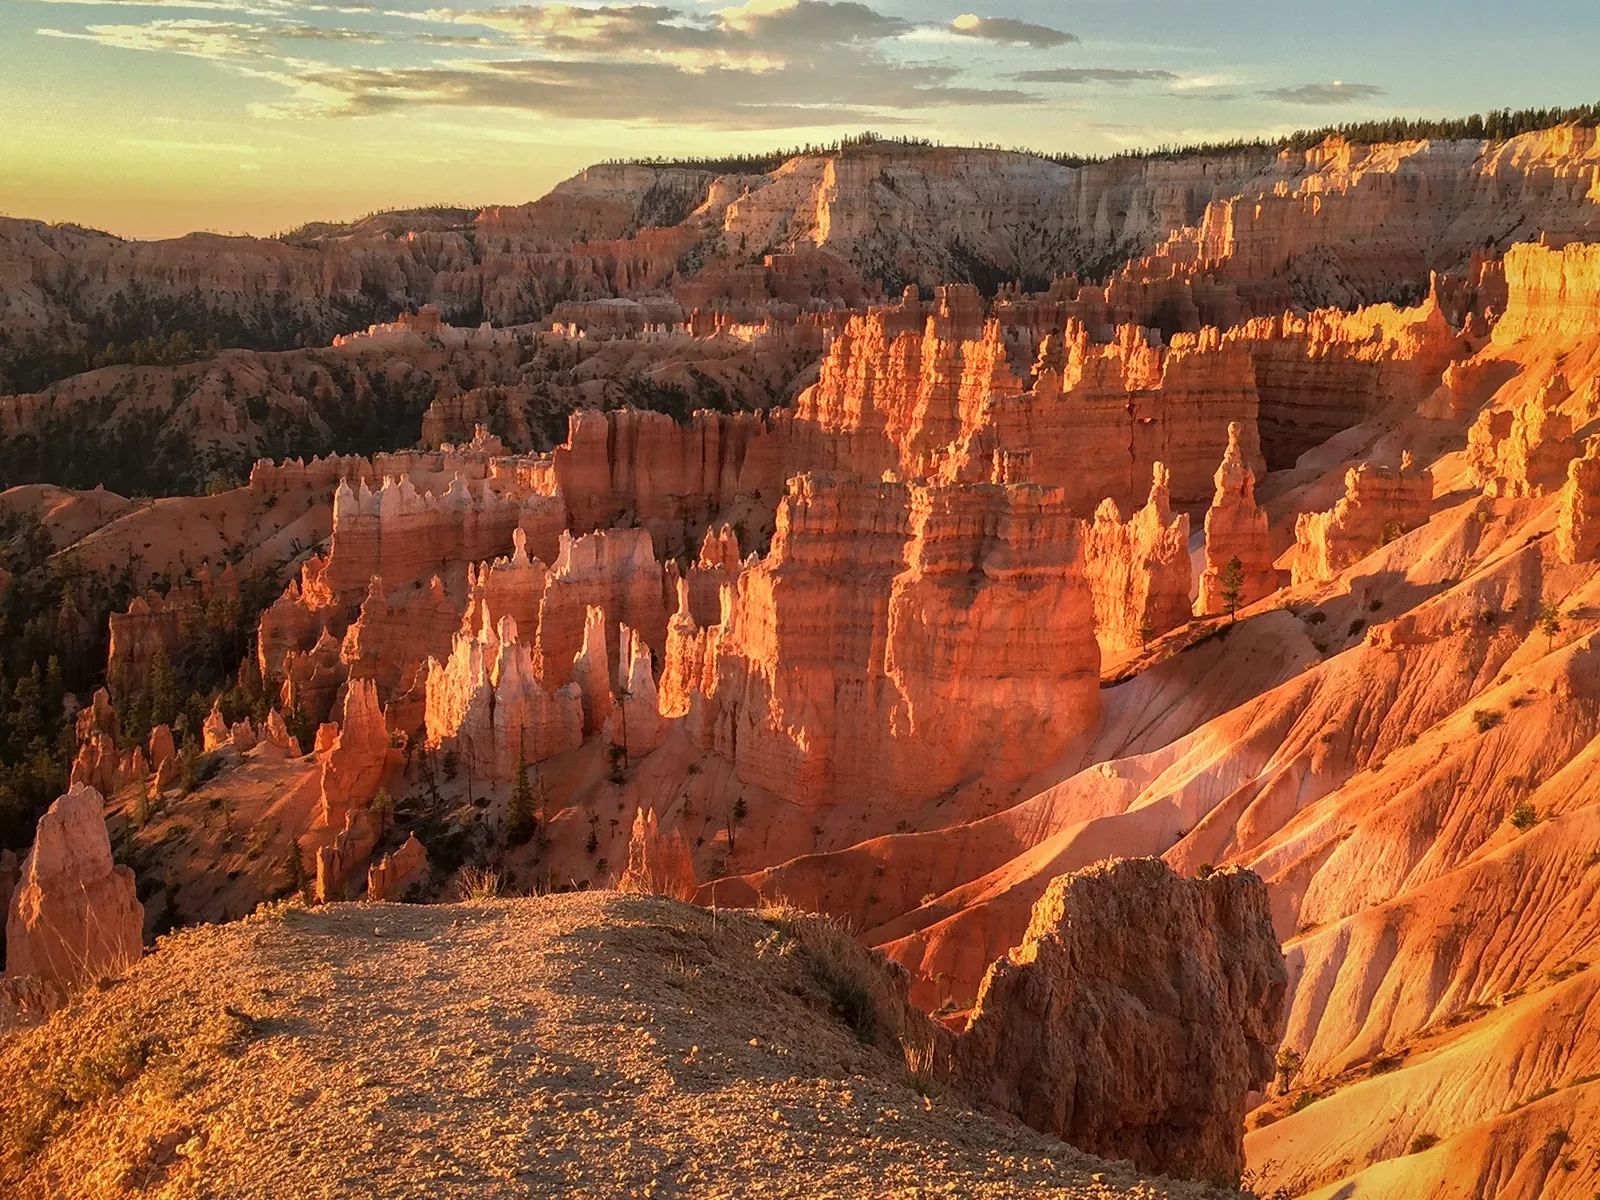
478, 883
1423, 1141
1524, 816
1485, 719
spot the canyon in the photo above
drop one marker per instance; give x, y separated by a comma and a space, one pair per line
1169, 650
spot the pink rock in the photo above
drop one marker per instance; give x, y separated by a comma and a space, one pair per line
657, 865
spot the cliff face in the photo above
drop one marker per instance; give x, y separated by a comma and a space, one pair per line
895, 639
1236, 528
1344, 224
1095, 421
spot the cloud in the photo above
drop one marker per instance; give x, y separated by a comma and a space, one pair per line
764, 64
198, 38
1092, 75
1325, 94
845, 90
1004, 29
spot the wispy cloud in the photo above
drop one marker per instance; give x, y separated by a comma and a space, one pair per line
1076, 75
1324, 94
765, 64
1005, 29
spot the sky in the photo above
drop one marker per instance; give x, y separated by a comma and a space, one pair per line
150, 118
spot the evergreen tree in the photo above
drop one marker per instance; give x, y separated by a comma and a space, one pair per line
1233, 585
1549, 623
519, 812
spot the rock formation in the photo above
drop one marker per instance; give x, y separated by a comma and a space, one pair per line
1139, 571
73, 916
1578, 523
898, 640
355, 767
635, 722
1379, 504
657, 864
389, 878
1236, 528
615, 571
488, 702
1137, 1015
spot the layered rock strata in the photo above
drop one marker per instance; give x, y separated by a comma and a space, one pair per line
896, 641
1138, 570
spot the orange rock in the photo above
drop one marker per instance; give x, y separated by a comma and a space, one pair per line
1128, 963
591, 671
1379, 504
615, 570
896, 638
657, 865
1236, 528
357, 763
1578, 525
74, 917
397, 871
488, 701
635, 722
1139, 571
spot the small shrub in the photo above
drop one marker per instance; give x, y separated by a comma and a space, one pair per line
1385, 1063
1485, 719
1357, 627
1205, 870
478, 883
1304, 1100
1524, 816
1423, 1141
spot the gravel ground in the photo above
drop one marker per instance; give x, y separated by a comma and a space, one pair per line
585, 1045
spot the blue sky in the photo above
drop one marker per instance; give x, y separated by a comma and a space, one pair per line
150, 119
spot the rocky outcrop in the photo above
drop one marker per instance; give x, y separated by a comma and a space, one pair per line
614, 570
635, 722
899, 640
1523, 451
1138, 571
1322, 372
74, 917
391, 876
1136, 1017
166, 625
360, 759
1096, 420
1550, 292
98, 762
1578, 522
1379, 504
657, 865
488, 702
1236, 528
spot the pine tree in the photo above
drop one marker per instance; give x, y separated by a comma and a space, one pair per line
1233, 585
1549, 623
519, 812
294, 868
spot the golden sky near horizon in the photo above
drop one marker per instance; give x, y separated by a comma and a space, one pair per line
150, 119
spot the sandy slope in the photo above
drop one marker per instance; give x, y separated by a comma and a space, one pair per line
583, 1045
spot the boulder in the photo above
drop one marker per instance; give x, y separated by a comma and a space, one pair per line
74, 916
